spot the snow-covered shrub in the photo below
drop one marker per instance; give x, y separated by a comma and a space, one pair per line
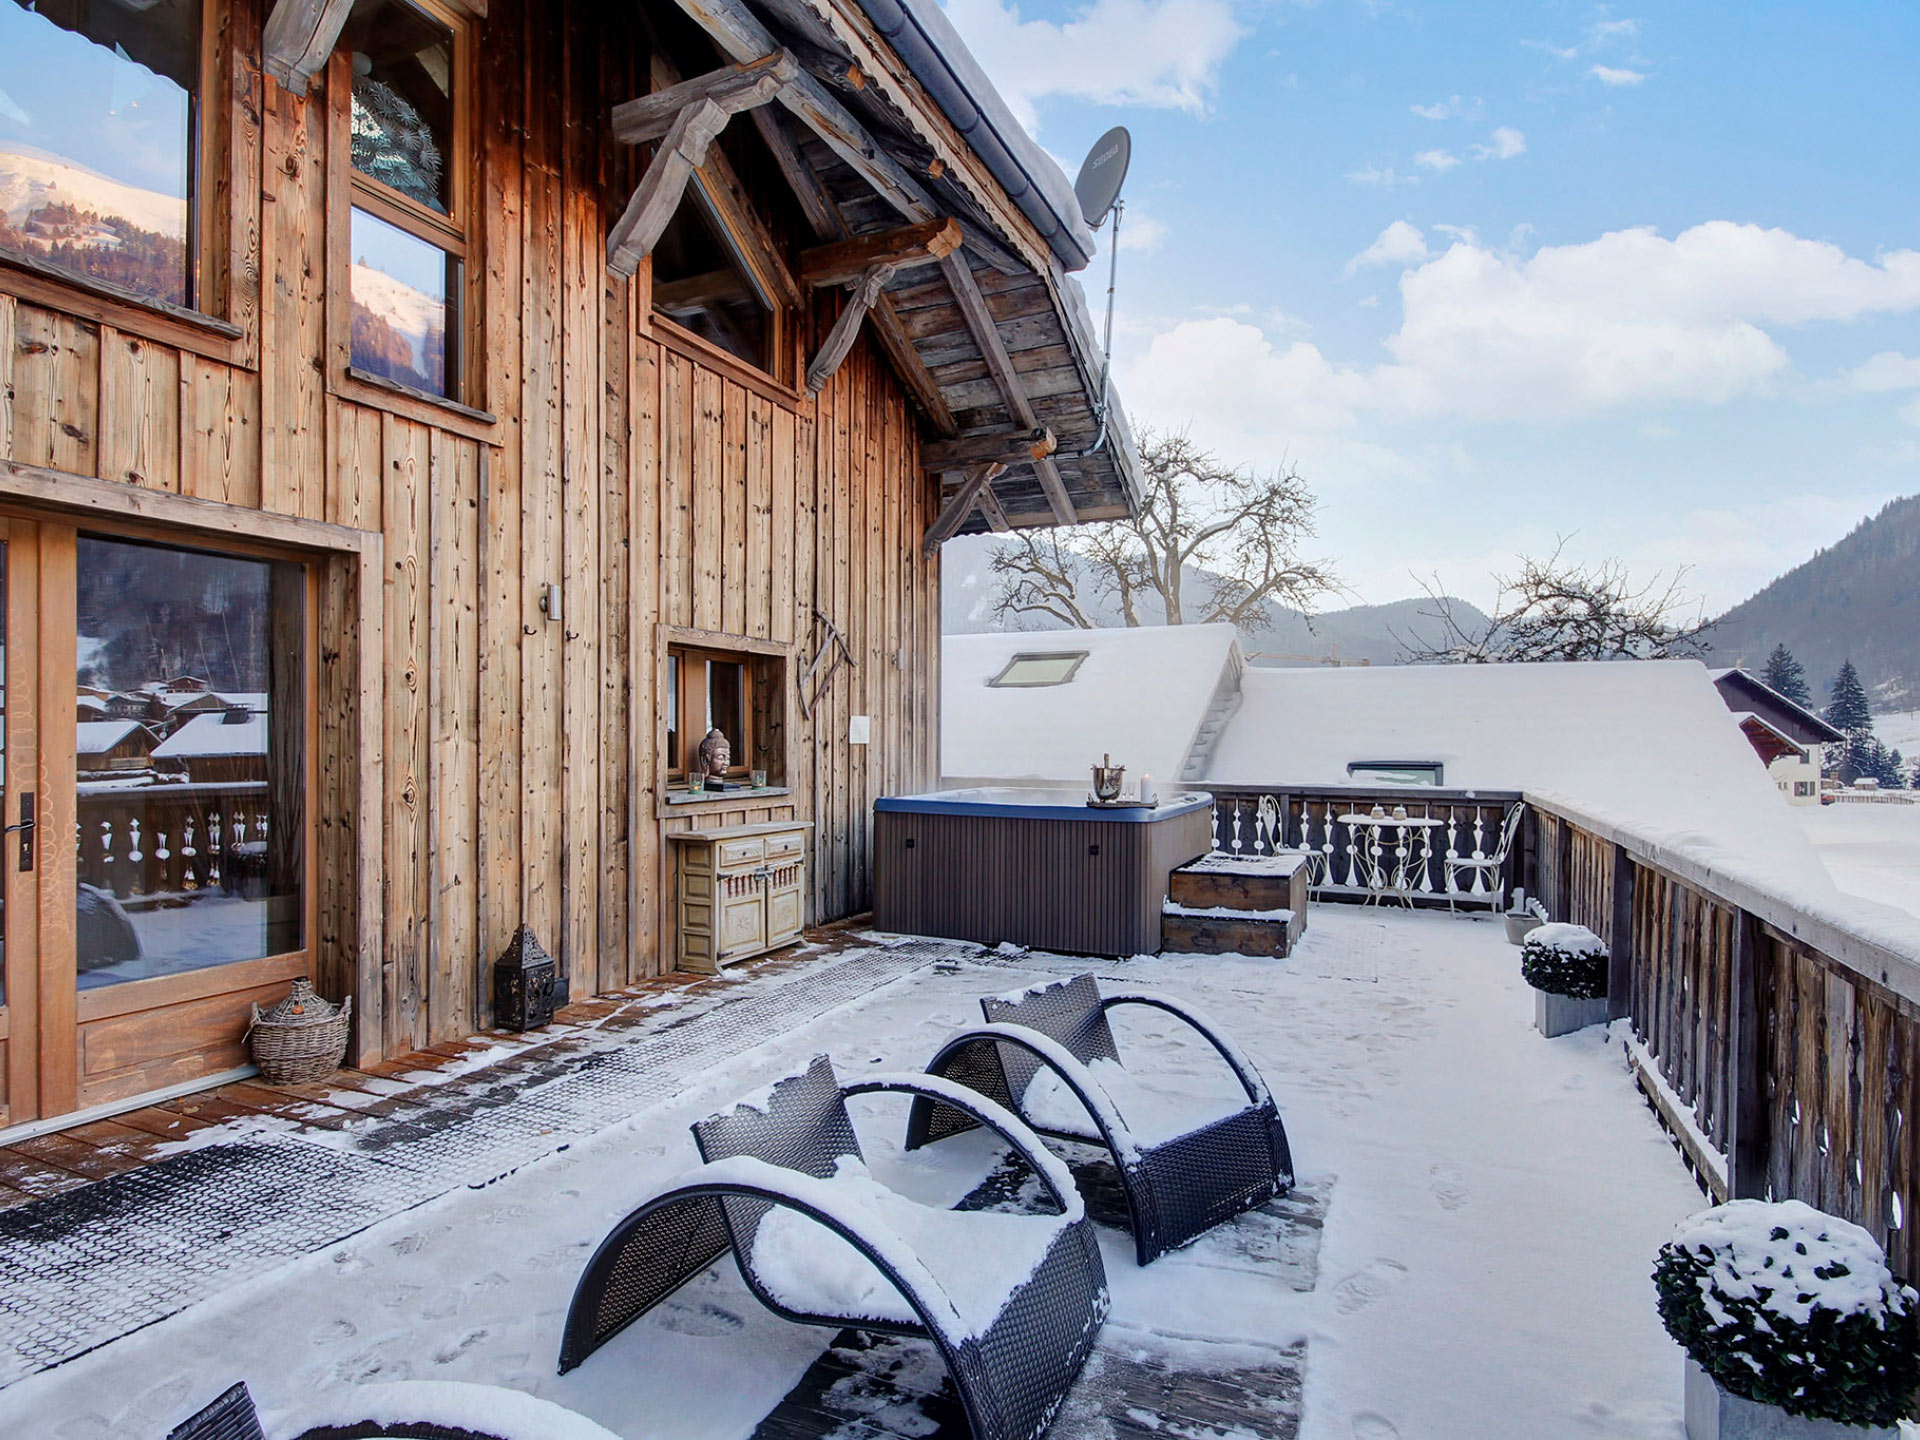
1788, 1306
1565, 960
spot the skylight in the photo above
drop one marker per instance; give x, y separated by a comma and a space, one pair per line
1396, 772
1053, 668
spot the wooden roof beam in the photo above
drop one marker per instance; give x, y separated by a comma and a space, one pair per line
846, 329
995, 516
986, 335
954, 513
682, 151
740, 35
734, 89
848, 261
299, 40
1024, 448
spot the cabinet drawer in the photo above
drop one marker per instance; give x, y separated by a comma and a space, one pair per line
748, 851
780, 847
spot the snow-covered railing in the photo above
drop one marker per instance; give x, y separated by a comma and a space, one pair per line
1265, 820
1780, 1042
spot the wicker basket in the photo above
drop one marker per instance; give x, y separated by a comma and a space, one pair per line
300, 1040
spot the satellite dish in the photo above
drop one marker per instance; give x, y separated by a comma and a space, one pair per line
1102, 174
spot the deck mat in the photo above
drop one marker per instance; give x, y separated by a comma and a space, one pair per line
89, 1265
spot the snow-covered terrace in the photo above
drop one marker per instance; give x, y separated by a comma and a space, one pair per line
1467, 1253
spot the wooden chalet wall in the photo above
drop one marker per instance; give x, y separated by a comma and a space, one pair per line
512, 765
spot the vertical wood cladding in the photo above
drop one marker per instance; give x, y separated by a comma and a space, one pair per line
523, 760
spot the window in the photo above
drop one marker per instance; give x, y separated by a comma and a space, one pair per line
742, 693
190, 818
1396, 772
1056, 668
708, 690
98, 131
407, 234
1803, 788
700, 282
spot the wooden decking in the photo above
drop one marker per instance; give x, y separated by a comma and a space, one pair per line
49, 1164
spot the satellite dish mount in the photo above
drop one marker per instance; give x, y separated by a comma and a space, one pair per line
1097, 188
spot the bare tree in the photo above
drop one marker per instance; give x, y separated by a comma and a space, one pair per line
1241, 527
1554, 609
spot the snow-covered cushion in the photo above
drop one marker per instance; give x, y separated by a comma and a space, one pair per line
1153, 1113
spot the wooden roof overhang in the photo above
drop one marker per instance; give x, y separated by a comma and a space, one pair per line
969, 303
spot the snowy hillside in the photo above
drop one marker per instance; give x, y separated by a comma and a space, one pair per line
411, 313
32, 182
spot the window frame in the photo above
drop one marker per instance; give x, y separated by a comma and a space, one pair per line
1001, 682
771, 709
454, 233
222, 238
1435, 768
694, 701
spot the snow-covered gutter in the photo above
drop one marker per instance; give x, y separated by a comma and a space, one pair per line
922, 36
1871, 939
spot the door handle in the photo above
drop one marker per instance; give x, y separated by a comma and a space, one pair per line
24, 829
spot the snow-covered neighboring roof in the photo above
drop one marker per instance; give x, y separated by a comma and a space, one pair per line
1749, 694
1141, 696
210, 735
96, 737
1642, 748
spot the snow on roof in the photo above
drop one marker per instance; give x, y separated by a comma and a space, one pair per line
1140, 696
96, 737
210, 735
1815, 729
1641, 747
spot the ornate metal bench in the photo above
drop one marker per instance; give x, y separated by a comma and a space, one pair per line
1043, 1054
785, 1189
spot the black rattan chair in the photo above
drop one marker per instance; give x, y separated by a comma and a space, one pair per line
233, 1417
785, 1156
1177, 1187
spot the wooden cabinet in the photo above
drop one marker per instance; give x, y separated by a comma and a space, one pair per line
740, 891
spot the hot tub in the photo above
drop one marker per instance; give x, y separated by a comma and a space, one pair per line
1035, 867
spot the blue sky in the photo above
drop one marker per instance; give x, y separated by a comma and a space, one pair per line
1490, 275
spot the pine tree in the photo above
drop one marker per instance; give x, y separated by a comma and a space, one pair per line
1847, 712
1787, 676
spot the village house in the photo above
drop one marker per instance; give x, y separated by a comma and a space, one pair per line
1790, 739
497, 396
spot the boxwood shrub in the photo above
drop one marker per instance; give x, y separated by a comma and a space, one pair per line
1565, 960
1788, 1306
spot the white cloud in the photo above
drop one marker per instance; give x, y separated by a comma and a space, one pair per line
1398, 244
1889, 370
1161, 53
1386, 178
1440, 110
1630, 319
1141, 233
1439, 160
1505, 143
1608, 75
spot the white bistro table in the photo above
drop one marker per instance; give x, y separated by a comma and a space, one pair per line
1384, 867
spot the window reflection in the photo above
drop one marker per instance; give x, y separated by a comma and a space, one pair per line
96, 131
188, 760
401, 289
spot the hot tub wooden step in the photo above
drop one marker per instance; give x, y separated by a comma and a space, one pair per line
1226, 933
1242, 882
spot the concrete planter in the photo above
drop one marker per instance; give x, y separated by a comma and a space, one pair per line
1712, 1414
1561, 1015
1520, 923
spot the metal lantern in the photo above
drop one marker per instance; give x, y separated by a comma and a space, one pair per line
523, 984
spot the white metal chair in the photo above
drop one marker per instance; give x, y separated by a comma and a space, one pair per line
1488, 872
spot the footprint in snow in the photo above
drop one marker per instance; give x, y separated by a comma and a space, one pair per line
335, 1330
453, 1352
1449, 1189
1369, 1426
1357, 1292
703, 1319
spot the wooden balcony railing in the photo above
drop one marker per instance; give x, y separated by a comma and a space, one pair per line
1781, 1047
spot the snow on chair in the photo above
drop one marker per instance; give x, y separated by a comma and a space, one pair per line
1048, 1054
1489, 872
1011, 1301
404, 1410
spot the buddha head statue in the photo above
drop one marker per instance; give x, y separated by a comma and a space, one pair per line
716, 755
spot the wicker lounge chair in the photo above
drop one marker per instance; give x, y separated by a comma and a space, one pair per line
406, 1411
784, 1188
1048, 1054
